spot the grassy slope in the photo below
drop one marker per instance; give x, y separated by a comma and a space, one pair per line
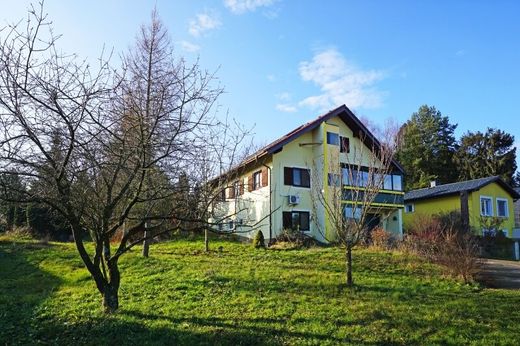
245, 296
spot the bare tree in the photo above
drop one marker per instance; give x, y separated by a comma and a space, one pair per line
348, 193
125, 137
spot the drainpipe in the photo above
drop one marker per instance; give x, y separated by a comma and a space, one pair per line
270, 204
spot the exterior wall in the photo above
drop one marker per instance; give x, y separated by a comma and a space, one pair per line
309, 151
294, 155
250, 208
517, 211
430, 207
494, 191
435, 206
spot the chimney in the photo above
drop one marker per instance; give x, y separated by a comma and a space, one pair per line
433, 183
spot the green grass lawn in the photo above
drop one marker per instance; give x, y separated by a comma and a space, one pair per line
181, 295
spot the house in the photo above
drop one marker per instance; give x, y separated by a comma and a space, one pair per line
517, 209
274, 189
477, 200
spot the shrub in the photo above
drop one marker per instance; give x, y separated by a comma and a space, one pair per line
259, 241
496, 245
381, 239
441, 239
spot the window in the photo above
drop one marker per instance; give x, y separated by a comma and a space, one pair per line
257, 180
352, 212
296, 220
344, 144
332, 138
345, 176
387, 184
300, 177
334, 179
236, 188
397, 181
363, 178
409, 208
486, 206
502, 207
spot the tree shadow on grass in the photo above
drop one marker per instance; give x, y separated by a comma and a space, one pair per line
23, 287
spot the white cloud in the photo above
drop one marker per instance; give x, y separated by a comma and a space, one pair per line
285, 96
340, 82
288, 108
243, 6
460, 52
203, 23
189, 47
271, 77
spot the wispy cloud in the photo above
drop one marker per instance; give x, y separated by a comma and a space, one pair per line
243, 6
287, 108
204, 22
340, 81
460, 52
189, 47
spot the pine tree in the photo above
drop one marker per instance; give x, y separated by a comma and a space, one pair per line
427, 148
487, 154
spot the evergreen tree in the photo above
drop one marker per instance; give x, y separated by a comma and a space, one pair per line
487, 154
427, 148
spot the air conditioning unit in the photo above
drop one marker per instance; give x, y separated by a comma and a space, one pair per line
293, 199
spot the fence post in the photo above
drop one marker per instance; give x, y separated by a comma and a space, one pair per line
517, 251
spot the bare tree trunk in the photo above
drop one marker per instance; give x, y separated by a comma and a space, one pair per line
146, 244
111, 289
350, 283
206, 241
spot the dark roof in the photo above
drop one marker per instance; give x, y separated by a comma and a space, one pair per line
456, 188
342, 112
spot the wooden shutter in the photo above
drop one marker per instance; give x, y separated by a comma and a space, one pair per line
287, 220
265, 177
250, 182
231, 192
241, 186
287, 176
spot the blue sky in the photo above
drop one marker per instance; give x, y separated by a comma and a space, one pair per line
284, 62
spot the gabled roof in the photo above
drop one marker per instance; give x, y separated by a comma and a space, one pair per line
456, 188
343, 113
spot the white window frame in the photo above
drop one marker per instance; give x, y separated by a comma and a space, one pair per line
406, 210
491, 204
507, 206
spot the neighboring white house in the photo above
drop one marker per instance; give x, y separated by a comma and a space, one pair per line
272, 188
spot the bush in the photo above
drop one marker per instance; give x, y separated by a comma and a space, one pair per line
381, 239
441, 239
496, 245
259, 241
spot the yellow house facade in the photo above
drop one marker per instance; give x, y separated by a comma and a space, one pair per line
275, 188
477, 200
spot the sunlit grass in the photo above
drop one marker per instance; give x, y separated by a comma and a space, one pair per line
181, 295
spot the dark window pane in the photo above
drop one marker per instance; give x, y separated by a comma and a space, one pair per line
344, 145
304, 221
306, 178
332, 138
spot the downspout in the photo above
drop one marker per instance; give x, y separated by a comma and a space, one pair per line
270, 204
